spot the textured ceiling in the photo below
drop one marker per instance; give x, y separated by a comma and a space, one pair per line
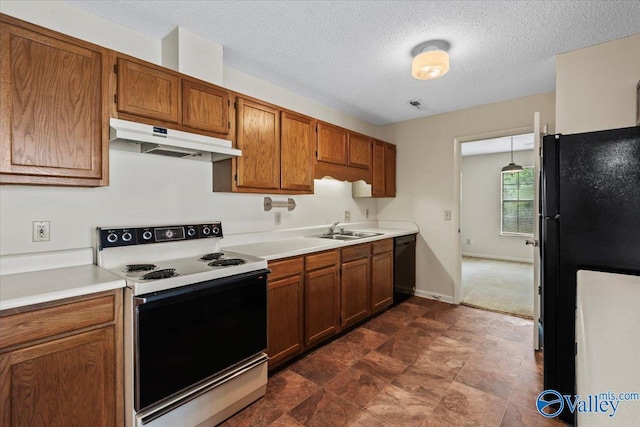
355, 56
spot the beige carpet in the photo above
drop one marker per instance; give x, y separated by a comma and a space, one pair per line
502, 286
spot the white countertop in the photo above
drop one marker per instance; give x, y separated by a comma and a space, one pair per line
21, 289
285, 248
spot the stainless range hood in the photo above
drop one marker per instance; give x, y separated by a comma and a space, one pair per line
138, 137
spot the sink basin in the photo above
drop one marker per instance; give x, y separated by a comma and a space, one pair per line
359, 234
337, 237
348, 235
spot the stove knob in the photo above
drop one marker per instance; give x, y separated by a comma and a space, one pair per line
215, 230
112, 237
126, 236
206, 230
146, 235
191, 232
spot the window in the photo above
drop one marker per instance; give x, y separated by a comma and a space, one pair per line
517, 202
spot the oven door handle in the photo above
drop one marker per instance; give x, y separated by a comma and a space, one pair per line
139, 301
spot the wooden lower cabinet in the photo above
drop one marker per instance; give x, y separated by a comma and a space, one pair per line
314, 297
381, 281
285, 301
321, 297
71, 378
355, 291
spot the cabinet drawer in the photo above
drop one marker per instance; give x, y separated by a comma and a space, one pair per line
355, 252
33, 325
286, 267
322, 259
382, 246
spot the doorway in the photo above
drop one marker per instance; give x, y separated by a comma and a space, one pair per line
497, 215
495, 219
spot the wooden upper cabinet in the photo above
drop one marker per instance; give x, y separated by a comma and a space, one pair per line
359, 151
258, 136
205, 107
332, 144
152, 94
52, 108
378, 168
297, 146
148, 91
390, 170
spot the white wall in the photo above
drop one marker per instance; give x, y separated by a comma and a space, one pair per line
596, 86
425, 178
147, 189
480, 208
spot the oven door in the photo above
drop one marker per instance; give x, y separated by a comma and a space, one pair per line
188, 335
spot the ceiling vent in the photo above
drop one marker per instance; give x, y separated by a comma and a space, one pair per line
419, 104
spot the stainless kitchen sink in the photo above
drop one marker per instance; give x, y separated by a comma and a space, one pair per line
348, 235
359, 234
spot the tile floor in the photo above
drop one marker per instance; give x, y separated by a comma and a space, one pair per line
422, 363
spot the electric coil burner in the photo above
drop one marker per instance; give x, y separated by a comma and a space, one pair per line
224, 262
181, 308
165, 273
137, 268
212, 256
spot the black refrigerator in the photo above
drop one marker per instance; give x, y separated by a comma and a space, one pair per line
590, 195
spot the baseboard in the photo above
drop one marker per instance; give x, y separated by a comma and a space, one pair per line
433, 295
498, 257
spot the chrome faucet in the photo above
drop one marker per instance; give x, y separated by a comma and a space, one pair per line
333, 227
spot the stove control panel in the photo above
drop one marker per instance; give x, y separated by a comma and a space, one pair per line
110, 237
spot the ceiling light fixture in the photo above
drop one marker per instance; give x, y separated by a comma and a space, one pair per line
430, 60
512, 167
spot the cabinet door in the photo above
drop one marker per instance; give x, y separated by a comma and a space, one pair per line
67, 382
359, 151
285, 300
378, 178
205, 107
355, 288
390, 170
258, 136
148, 91
332, 144
322, 304
381, 281
297, 152
52, 109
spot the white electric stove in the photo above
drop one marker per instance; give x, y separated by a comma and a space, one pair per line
195, 323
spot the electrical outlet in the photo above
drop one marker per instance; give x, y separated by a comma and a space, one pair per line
347, 215
447, 215
471, 242
278, 218
366, 213
40, 231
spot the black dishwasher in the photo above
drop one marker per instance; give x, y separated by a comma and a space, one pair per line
404, 268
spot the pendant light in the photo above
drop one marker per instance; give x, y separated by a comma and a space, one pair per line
512, 167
